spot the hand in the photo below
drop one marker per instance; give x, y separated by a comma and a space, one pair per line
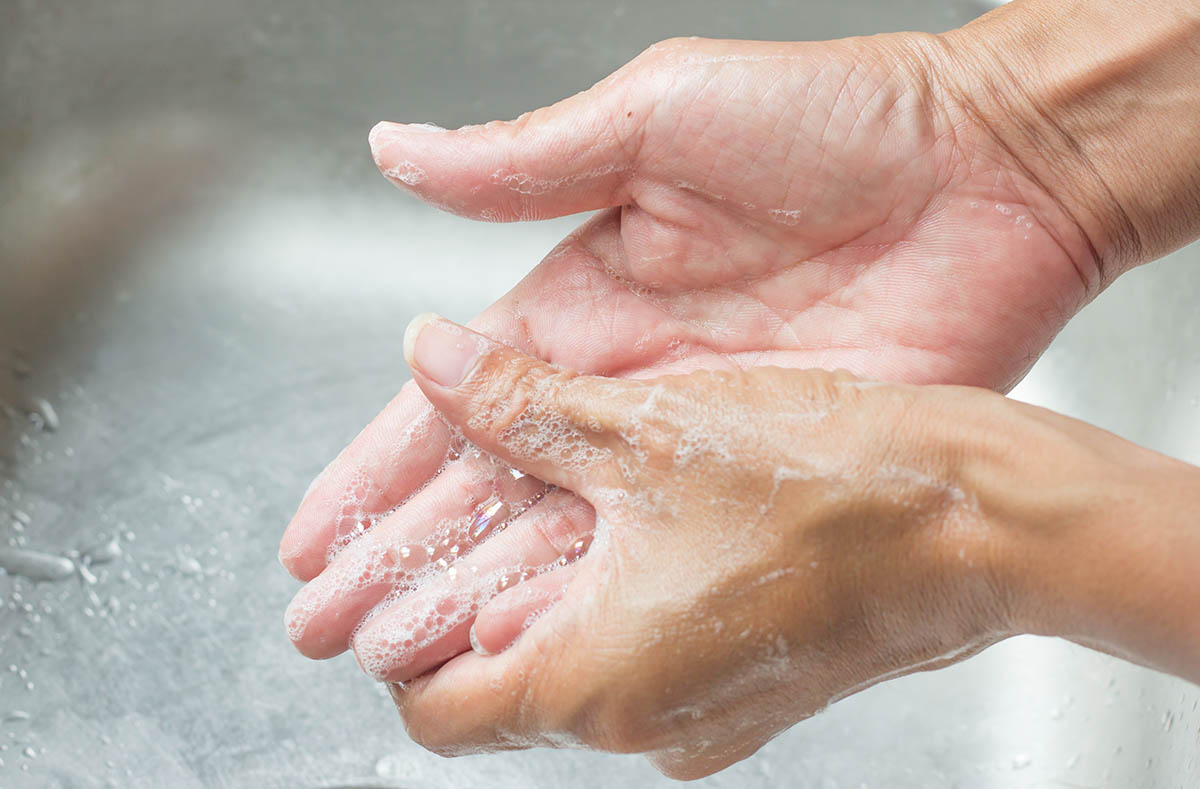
775, 540
802, 205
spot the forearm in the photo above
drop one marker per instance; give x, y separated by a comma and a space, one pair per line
1100, 100
1159, 604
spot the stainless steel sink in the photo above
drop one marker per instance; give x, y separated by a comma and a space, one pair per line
205, 279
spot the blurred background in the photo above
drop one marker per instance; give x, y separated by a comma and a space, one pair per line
203, 287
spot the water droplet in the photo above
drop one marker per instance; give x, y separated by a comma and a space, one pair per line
87, 575
36, 565
390, 767
1021, 761
41, 413
578, 549
487, 516
406, 557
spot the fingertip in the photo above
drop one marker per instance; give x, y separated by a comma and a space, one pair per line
296, 620
375, 137
413, 331
287, 558
389, 148
307, 635
296, 554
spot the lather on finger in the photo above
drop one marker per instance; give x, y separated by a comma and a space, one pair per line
422, 629
462, 507
394, 456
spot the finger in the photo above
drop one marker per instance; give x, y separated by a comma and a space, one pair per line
542, 419
392, 458
397, 453
577, 155
551, 314
470, 705
462, 507
423, 629
502, 620
476, 704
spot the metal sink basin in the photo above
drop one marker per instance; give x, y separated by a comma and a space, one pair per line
203, 285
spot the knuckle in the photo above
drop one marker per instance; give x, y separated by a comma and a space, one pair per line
560, 526
509, 392
585, 704
663, 49
431, 734
679, 768
619, 728
424, 720
556, 701
615, 719
653, 424
418, 728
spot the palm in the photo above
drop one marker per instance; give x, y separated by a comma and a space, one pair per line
869, 237
800, 205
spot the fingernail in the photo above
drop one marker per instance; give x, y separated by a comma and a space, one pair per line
475, 645
442, 351
385, 132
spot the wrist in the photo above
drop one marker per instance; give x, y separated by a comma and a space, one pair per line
1091, 537
1099, 102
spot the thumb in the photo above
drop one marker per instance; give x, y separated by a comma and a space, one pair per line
576, 155
552, 423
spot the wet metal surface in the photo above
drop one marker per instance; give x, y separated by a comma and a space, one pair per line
203, 286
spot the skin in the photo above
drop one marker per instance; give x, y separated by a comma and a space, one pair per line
936, 208
830, 560
732, 247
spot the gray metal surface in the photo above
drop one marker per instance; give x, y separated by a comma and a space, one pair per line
204, 277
